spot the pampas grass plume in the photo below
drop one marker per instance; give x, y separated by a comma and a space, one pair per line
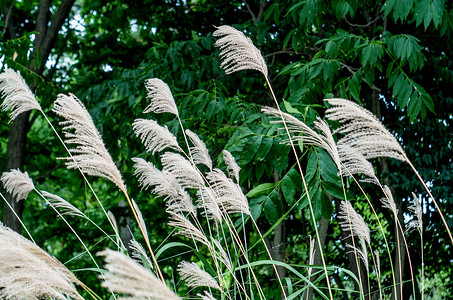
17, 183
18, 96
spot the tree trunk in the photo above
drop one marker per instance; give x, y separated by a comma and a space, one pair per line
44, 42
15, 159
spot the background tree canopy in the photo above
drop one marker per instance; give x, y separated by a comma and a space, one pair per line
392, 57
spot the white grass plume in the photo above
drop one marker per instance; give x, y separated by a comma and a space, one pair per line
206, 296
90, 154
155, 137
27, 272
139, 253
17, 183
232, 167
161, 98
187, 229
18, 96
307, 135
186, 174
237, 51
363, 130
196, 277
65, 207
200, 154
112, 220
351, 221
163, 184
131, 280
388, 201
416, 209
140, 219
228, 194
353, 162
207, 203
223, 256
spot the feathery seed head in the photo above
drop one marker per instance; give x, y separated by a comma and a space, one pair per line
232, 166
139, 253
128, 278
28, 272
196, 277
363, 130
155, 137
161, 98
351, 221
66, 207
90, 154
388, 201
416, 209
200, 153
17, 183
187, 229
353, 162
305, 134
208, 205
228, 194
18, 96
206, 296
237, 51
182, 169
164, 184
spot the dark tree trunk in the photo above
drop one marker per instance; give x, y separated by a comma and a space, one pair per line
44, 42
15, 159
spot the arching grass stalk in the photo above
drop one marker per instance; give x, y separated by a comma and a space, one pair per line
354, 248
380, 226
431, 196
305, 188
69, 226
83, 175
17, 217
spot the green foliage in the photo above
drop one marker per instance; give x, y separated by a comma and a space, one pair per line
362, 50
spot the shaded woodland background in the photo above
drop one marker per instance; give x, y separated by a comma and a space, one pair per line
393, 57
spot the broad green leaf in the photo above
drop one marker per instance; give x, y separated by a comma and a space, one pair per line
400, 9
334, 189
342, 8
414, 106
250, 149
371, 54
288, 188
327, 207
428, 11
328, 169
264, 149
270, 207
256, 208
289, 108
264, 188
354, 86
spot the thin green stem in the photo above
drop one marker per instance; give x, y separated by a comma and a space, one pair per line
431, 195
17, 217
306, 190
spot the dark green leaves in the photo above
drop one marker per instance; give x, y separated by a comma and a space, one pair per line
428, 11
406, 48
400, 9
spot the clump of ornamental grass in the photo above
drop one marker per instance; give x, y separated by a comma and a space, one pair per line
201, 206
